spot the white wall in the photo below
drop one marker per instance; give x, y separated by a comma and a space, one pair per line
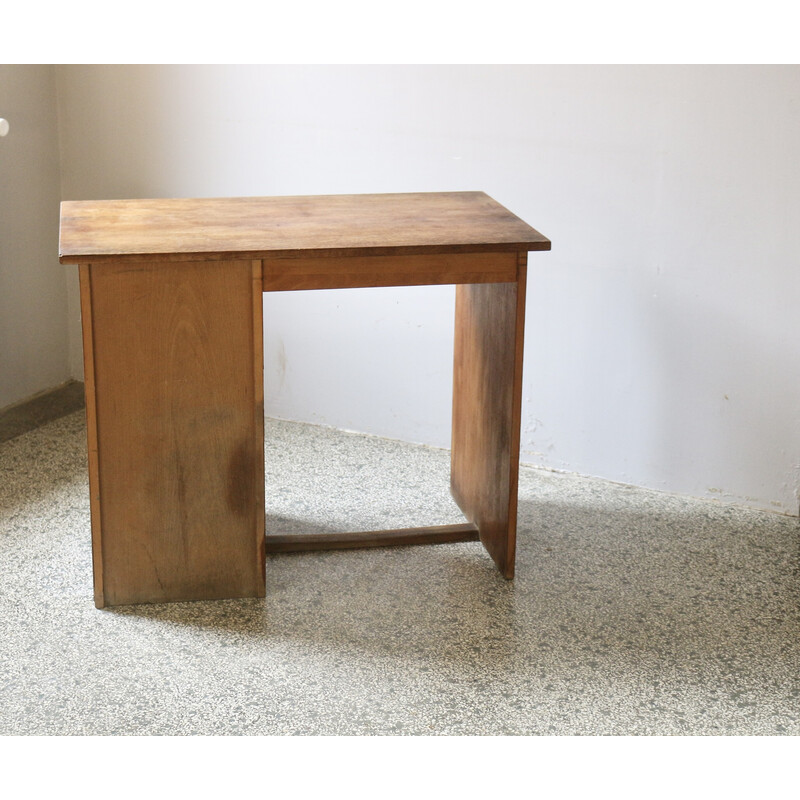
33, 305
663, 341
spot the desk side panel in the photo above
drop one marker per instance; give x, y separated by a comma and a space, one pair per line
85, 277
487, 394
178, 430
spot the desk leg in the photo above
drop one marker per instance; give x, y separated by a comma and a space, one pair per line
487, 396
173, 362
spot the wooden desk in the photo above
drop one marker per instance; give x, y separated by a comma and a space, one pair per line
172, 335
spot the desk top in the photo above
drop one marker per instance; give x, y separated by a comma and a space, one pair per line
260, 227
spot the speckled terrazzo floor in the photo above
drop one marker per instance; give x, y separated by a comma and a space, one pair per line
632, 612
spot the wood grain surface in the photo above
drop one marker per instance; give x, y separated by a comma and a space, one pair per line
84, 275
259, 227
437, 534
487, 391
171, 299
176, 438
336, 272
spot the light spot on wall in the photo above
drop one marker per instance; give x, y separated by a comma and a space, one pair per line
282, 362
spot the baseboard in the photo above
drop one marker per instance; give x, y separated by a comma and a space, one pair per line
43, 407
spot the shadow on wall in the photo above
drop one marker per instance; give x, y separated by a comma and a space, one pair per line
721, 400
691, 397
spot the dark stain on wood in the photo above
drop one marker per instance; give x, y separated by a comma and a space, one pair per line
242, 472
